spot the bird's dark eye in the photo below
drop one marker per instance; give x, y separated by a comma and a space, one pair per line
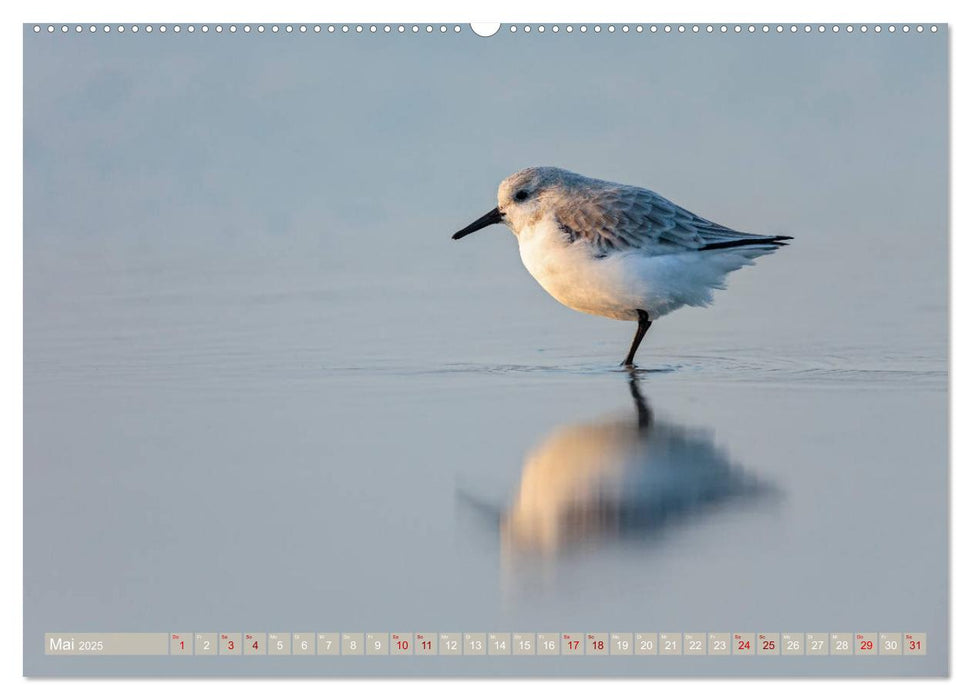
521, 196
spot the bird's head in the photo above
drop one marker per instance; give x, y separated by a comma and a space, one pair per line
523, 198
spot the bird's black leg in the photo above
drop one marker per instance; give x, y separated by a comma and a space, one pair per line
643, 323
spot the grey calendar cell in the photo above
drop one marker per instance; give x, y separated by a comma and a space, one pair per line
597, 644
402, 644
767, 644
841, 644
254, 644
866, 644
621, 644
474, 644
305, 643
376, 644
645, 643
500, 644
915, 644
450, 644
180, 644
744, 644
230, 643
669, 643
719, 644
817, 644
571, 644
891, 644
523, 644
330, 644
695, 643
426, 644
792, 644
206, 643
548, 643
278, 644
352, 644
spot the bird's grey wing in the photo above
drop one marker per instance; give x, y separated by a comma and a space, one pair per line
623, 218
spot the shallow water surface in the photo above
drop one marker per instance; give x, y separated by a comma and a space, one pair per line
203, 458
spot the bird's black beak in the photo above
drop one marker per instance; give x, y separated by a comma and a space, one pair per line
493, 217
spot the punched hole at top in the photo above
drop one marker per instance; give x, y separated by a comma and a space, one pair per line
485, 28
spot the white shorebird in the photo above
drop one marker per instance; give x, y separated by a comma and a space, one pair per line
615, 250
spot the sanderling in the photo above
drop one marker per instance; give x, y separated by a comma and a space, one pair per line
615, 250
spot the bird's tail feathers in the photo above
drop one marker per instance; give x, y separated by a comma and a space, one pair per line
771, 242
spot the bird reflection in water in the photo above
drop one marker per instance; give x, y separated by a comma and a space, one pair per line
615, 480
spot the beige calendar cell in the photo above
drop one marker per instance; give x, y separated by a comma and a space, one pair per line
302, 644
719, 644
865, 644
669, 643
768, 644
402, 644
474, 643
743, 644
915, 644
426, 644
523, 644
180, 644
450, 644
352, 644
548, 643
841, 644
598, 644
817, 644
645, 643
890, 644
206, 644
571, 644
278, 643
376, 643
230, 643
500, 644
106, 643
254, 644
793, 644
694, 644
621, 644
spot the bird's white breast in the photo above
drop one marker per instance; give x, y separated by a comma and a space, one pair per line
624, 281
571, 274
